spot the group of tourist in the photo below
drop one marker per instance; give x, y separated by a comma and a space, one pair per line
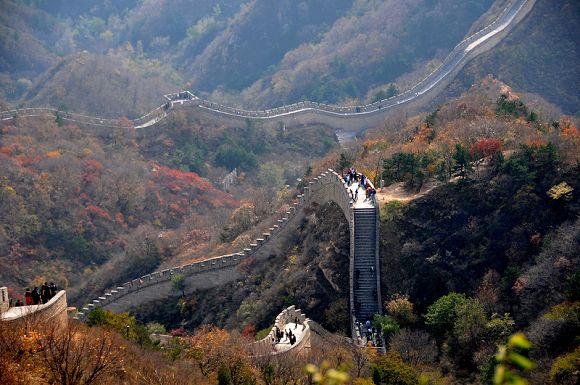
38, 296
280, 334
352, 176
369, 333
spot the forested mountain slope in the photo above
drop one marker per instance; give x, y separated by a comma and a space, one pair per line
90, 208
493, 249
258, 38
118, 84
258, 54
252, 54
374, 44
537, 56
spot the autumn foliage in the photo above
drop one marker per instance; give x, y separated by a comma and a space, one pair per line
74, 196
485, 147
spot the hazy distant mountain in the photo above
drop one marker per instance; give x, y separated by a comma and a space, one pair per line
370, 46
105, 85
257, 39
261, 53
541, 55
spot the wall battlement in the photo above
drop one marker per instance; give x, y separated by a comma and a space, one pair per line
4, 300
53, 312
265, 346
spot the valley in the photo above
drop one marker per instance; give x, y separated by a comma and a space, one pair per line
187, 236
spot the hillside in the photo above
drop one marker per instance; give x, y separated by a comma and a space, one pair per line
90, 208
238, 53
498, 238
72, 201
257, 39
372, 46
229, 47
502, 230
258, 54
109, 86
535, 57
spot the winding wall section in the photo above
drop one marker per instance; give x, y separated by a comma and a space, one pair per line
217, 271
213, 272
350, 119
267, 345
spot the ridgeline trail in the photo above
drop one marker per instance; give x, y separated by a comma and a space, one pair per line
347, 120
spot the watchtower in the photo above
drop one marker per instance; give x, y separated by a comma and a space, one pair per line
4, 301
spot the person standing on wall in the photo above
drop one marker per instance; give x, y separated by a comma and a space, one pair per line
28, 297
53, 289
45, 292
35, 296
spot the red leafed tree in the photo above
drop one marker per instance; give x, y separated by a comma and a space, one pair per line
95, 211
249, 331
186, 188
91, 170
484, 148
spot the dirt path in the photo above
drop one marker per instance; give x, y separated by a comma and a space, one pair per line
397, 192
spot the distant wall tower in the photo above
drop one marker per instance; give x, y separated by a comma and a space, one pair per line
4, 302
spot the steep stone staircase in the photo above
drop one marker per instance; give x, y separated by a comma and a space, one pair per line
365, 279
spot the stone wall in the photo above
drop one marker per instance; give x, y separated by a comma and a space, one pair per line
213, 272
351, 119
265, 346
4, 300
53, 313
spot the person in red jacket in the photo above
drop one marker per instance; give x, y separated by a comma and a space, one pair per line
28, 297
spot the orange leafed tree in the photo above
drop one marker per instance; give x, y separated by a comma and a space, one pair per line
53, 154
207, 347
212, 348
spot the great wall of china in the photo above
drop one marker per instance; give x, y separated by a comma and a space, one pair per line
347, 120
52, 312
328, 186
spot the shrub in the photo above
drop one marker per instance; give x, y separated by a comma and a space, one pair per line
470, 322
390, 369
401, 309
231, 156
385, 323
122, 323
566, 369
511, 107
499, 328
414, 346
391, 210
271, 174
441, 315
569, 311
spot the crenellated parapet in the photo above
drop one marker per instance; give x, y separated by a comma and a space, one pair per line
268, 345
217, 271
